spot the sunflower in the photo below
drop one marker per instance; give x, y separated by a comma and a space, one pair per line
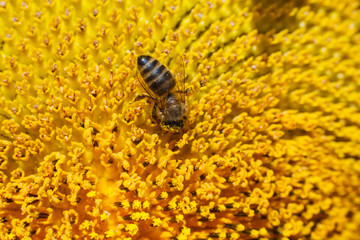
271, 148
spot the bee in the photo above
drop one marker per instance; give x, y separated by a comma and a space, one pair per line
166, 90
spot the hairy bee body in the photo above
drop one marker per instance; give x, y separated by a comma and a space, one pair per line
168, 108
156, 76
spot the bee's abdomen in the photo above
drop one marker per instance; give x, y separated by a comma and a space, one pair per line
162, 84
146, 64
155, 74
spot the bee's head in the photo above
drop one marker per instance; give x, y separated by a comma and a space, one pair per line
173, 126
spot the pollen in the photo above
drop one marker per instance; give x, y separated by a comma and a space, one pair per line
270, 148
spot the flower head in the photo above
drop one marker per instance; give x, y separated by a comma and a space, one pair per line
271, 145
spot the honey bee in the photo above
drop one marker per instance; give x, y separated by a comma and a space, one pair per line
166, 90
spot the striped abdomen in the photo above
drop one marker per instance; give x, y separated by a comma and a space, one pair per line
156, 76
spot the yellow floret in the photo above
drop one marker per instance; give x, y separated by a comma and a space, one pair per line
157, 222
109, 234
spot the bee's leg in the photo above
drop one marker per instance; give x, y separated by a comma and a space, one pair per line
154, 114
142, 96
190, 89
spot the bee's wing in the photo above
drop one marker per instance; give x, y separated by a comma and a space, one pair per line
179, 75
148, 90
143, 85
